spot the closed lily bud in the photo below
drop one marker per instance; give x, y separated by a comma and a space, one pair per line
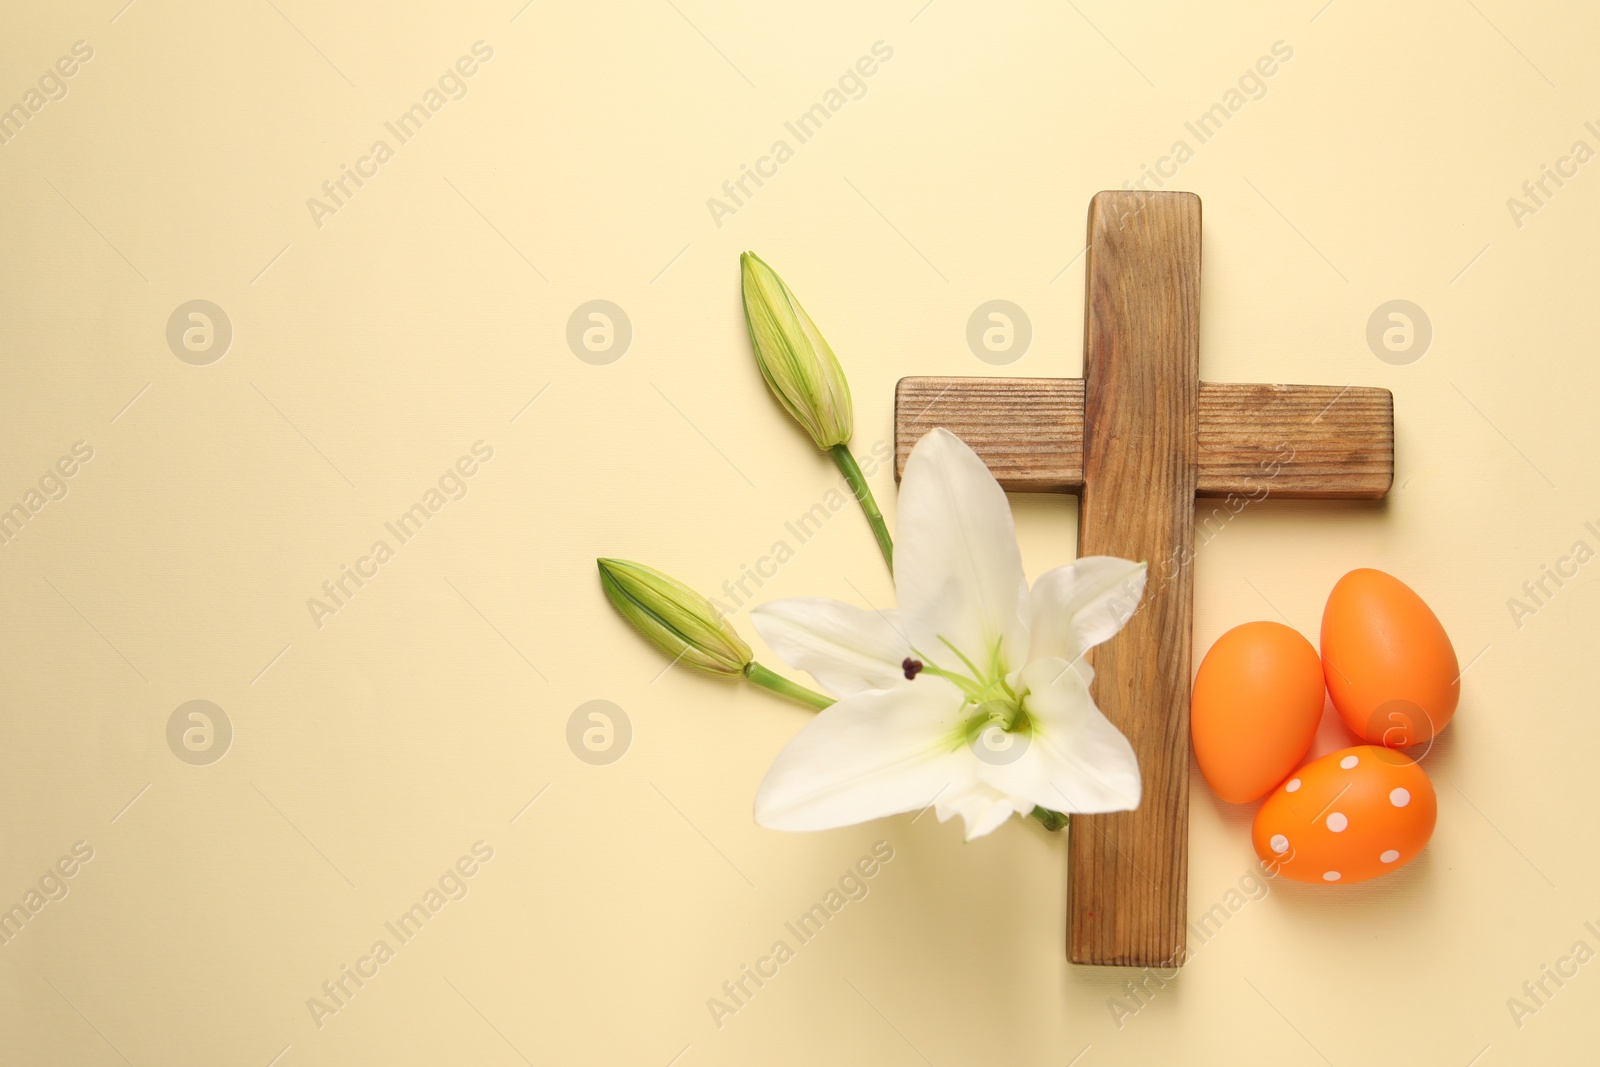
675, 618
794, 358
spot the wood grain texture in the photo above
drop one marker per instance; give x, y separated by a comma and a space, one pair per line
1140, 436
1296, 440
1128, 881
1290, 441
1028, 430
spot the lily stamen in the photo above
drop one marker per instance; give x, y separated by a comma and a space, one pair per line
1001, 721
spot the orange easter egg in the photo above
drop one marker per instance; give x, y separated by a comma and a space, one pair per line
1391, 669
1257, 700
1352, 815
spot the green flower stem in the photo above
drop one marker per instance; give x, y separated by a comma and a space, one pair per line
759, 675
869, 505
1052, 820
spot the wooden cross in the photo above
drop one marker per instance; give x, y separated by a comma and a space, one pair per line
1139, 436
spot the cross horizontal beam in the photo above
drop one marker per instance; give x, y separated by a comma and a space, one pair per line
1295, 441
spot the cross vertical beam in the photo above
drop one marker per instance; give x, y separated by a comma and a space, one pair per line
1140, 436
1128, 879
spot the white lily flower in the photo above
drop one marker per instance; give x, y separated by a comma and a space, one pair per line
973, 697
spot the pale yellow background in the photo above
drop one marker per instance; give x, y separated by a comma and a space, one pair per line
370, 353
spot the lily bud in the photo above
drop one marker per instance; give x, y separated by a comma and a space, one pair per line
797, 363
675, 618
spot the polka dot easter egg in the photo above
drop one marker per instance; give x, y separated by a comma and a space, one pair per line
1352, 815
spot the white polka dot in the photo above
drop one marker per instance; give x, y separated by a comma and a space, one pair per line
1337, 822
1349, 761
1330, 876
1294, 783
1399, 797
1279, 843
1389, 856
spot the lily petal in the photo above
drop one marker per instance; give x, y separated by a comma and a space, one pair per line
845, 648
982, 808
876, 753
1083, 604
1076, 761
957, 571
